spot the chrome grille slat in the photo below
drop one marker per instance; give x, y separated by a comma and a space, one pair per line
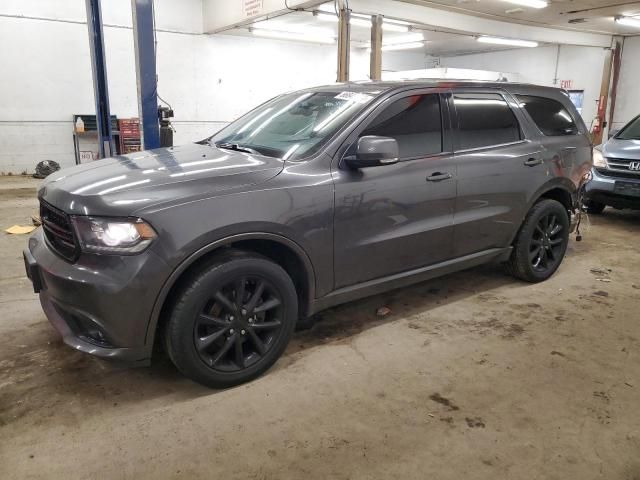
619, 167
58, 231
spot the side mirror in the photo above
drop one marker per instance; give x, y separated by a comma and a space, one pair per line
613, 132
374, 151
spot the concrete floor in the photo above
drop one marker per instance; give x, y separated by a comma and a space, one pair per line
474, 375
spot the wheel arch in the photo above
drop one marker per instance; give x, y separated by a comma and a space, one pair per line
282, 250
561, 190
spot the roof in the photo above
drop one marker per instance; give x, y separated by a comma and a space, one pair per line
386, 85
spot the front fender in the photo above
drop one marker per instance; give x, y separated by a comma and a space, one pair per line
221, 242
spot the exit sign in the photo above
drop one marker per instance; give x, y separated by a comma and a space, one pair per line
566, 84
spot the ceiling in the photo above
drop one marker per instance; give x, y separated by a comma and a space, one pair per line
437, 43
593, 16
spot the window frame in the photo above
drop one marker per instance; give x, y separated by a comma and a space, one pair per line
513, 106
535, 124
445, 115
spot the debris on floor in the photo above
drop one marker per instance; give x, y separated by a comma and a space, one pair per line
383, 311
20, 229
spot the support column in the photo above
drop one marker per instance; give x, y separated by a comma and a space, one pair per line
99, 70
598, 122
344, 43
618, 43
145, 50
375, 60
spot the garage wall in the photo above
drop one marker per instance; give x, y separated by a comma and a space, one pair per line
209, 80
628, 97
582, 65
47, 72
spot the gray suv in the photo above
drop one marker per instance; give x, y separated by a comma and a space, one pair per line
616, 171
217, 250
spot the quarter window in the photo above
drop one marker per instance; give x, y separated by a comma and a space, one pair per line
549, 115
415, 122
484, 119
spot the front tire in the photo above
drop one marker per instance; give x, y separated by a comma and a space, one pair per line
594, 208
232, 320
541, 243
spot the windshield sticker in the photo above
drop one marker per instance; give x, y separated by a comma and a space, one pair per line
354, 97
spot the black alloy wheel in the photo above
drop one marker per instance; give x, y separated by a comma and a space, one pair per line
232, 319
541, 242
546, 246
238, 324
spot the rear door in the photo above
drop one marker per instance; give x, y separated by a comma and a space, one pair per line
394, 218
498, 169
567, 148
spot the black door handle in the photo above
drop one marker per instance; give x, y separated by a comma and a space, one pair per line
438, 177
532, 162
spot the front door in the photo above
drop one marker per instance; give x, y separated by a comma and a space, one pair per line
394, 218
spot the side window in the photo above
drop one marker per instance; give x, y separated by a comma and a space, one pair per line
550, 115
415, 122
484, 119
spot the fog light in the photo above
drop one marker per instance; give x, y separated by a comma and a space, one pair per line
90, 331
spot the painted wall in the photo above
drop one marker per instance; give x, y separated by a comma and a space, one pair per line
582, 65
628, 97
208, 79
47, 72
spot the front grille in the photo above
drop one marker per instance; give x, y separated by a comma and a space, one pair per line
606, 172
621, 165
58, 231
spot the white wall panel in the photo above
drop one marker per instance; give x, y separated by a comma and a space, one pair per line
628, 98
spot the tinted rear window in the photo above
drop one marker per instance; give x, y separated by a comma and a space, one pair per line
484, 119
550, 115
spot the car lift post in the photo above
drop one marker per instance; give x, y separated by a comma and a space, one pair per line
99, 69
145, 49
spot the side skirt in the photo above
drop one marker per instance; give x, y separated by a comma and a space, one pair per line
398, 280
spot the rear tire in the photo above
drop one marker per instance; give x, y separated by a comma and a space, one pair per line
232, 320
541, 243
594, 208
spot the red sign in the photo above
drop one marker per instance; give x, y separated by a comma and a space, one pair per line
566, 84
251, 8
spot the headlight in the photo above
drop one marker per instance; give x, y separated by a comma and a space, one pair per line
113, 236
598, 159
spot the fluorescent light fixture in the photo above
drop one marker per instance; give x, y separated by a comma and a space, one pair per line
297, 36
326, 17
529, 3
394, 27
408, 38
507, 41
360, 22
401, 46
363, 21
327, 7
628, 21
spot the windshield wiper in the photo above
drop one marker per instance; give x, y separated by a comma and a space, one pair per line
237, 147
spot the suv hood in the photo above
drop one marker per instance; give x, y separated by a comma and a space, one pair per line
616, 148
126, 184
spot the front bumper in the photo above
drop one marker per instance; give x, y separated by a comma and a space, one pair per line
101, 304
602, 188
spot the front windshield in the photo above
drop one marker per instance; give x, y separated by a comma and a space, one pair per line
294, 125
631, 131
